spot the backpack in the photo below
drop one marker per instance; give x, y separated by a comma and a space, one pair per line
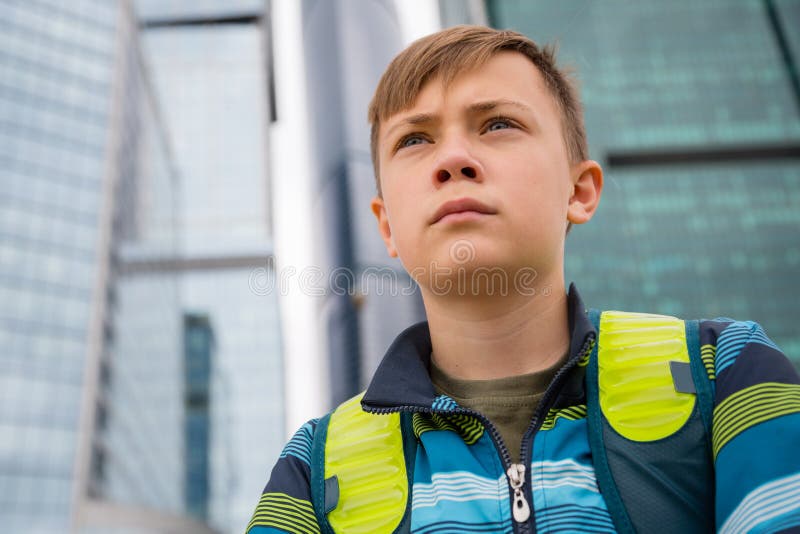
649, 400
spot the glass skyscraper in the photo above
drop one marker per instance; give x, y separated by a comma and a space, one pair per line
57, 82
87, 188
693, 108
91, 405
209, 64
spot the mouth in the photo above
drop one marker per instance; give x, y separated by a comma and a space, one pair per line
462, 208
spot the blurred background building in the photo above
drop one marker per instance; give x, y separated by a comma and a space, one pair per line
90, 427
210, 69
693, 108
141, 377
188, 266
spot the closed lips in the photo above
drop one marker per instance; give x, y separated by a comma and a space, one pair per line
461, 205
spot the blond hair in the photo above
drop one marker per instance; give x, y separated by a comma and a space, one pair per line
448, 53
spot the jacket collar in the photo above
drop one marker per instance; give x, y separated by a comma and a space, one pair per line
402, 378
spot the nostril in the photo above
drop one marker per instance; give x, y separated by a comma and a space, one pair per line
443, 175
469, 172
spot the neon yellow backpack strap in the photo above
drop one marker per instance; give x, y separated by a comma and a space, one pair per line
649, 402
635, 374
365, 483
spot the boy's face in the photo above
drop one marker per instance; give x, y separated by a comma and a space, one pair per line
490, 148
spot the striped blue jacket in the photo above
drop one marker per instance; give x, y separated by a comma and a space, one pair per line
459, 473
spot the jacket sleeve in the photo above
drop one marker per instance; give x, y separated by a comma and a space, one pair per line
285, 504
755, 429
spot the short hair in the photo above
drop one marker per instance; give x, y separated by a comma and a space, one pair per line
452, 51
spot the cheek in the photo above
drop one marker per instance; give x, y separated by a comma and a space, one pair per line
405, 236
401, 220
405, 177
540, 186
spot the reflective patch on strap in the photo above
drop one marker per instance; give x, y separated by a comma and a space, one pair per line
638, 394
365, 453
331, 493
682, 377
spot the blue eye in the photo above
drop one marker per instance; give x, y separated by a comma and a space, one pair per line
411, 140
498, 124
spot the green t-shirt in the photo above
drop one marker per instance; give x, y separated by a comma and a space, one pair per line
509, 403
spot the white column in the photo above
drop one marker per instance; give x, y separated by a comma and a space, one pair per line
418, 18
305, 365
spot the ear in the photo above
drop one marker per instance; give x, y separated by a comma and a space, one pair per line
379, 209
587, 185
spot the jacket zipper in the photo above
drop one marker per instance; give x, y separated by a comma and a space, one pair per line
514, 472
521, 510
516, 478
544, 405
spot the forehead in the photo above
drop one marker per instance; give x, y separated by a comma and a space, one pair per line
506, 75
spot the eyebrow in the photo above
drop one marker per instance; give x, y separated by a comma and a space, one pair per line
477, 107
490, 105
413, 120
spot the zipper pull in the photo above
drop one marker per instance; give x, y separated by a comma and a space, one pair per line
520, 508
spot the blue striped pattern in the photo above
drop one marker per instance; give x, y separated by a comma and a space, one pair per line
566, 497
757, 470
733, 339
741, 468
479, 503
456, 527
567, 474
300, 444
786, 523
459, 486
444, 403
775, 502
574, 518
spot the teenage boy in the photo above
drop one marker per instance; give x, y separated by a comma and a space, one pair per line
514, 408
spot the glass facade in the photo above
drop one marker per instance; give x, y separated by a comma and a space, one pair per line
137, 457
692, 110
211, 82
246, 391
91, 406
56, 78
198, 357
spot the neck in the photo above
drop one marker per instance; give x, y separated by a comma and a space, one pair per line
496, 336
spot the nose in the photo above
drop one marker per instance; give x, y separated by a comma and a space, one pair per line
456, 162
443, 175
